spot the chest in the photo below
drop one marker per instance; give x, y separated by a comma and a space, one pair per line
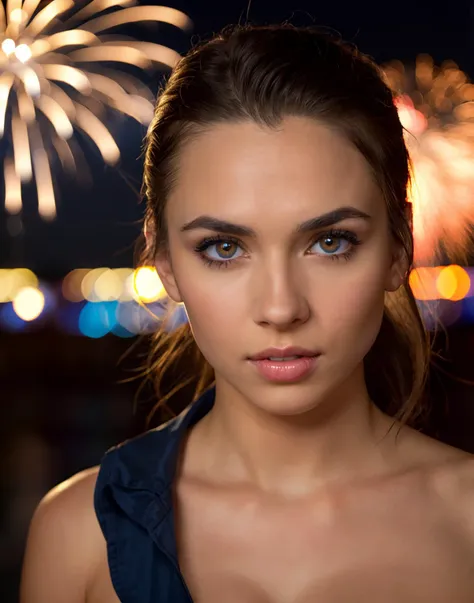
389, 548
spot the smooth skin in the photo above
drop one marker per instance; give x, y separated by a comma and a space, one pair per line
285, 493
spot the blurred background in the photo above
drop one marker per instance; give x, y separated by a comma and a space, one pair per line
73, 306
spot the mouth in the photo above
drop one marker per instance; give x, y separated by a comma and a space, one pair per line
284, 359
285, 369
284, 354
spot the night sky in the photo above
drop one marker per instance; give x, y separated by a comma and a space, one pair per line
98, 224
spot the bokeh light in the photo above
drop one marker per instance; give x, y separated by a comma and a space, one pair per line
430, 313
423, 282
108, 286
89, 281
410, 118
130, 316
28, 303
137, 318
453, 283
147, 285
9, 319
99, 284
12, 280
71, 286
449, 312
177, 318
126, 276
97, 319
127, 302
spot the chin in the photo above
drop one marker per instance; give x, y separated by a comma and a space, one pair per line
288, 400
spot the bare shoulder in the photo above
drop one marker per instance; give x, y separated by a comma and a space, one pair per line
418, 450
75, 493
70, 506
449, 470
454, 482
451, 477
64, 543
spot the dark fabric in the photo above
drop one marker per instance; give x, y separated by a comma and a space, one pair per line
133, 503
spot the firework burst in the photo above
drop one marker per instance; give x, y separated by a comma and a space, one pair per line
436, 107
55, 78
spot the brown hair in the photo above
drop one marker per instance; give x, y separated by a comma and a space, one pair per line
264, 73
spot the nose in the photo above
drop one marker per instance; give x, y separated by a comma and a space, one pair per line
279, 299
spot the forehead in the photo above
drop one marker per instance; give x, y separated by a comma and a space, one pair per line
244, 171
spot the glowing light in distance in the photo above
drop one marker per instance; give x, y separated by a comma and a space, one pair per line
453, 283
12, 280
71, 287
423, 283
98, 319
28, 303
126, 276
137, 318
88, 283
100, 284
18, 16
8, 46
147, 284
449, 313
108, 286
23, 53
42, 46
435, 106
411, 119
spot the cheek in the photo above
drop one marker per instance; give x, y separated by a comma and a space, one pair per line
354, 313
213, 317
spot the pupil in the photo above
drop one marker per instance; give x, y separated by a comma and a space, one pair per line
227, 248
330, 242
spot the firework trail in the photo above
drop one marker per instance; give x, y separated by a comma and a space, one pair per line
436, 107
55, 79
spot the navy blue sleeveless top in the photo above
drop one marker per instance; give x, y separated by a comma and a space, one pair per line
133, 503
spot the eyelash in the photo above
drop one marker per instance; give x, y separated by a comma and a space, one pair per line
347, 235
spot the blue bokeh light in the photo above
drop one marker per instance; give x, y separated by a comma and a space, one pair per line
98, 318
10, 320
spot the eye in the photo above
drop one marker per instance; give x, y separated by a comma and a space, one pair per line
224, 250
332, 245
218, 251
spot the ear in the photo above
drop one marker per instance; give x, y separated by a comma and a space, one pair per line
148, 233
164, 269
398, 269
162, 264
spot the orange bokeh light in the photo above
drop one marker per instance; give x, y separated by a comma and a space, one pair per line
453, 283
423, 282
411, 119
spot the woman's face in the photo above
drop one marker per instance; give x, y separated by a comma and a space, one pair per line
278, 284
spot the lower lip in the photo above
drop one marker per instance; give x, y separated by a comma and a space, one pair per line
286, 371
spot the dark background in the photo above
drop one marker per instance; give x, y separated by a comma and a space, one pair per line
63, 402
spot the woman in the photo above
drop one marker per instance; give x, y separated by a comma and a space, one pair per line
276, 178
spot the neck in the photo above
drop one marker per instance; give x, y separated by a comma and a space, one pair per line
340, 439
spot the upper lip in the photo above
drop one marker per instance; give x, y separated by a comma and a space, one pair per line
283, 353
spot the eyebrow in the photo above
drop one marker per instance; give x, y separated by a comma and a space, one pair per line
323, 221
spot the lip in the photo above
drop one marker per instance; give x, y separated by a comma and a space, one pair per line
286, 371
284, 352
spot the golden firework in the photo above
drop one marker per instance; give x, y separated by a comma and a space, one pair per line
55, 78
436, 108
